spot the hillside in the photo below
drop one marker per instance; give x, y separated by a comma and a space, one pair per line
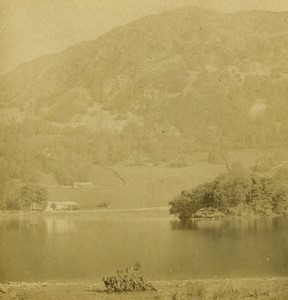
152, 92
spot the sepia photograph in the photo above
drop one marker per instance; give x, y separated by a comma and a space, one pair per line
143, 149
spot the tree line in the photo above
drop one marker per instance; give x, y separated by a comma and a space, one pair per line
236, 193
23, 196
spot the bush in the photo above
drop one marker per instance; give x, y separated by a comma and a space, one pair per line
261, 167
209, 212
103, 204
180, 162
127, 280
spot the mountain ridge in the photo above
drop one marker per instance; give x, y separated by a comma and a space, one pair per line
153, 91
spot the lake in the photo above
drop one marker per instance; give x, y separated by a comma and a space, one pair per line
88, 245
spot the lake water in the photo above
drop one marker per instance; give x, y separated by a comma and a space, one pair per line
86, 246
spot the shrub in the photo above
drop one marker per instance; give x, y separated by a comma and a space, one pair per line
103, 204
209, 212
127, 280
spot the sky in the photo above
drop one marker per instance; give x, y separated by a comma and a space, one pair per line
32, 28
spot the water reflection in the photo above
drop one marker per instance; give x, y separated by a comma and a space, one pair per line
260, 246
229, 224
57, 225
41, 247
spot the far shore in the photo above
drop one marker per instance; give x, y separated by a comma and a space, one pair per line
18, 213
200, 289
71, 212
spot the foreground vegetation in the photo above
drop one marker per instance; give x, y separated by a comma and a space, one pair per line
236, 193
224, 289
127, 280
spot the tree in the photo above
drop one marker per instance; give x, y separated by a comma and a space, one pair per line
26, 197
41, 196
33, 194
235, 192
12, 194
183, 206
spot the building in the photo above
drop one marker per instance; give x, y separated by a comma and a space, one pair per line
36, 206
62, 206
82, 184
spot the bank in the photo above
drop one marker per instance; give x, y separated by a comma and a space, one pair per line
248, 288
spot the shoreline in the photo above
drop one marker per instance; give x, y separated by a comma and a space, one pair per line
241, 288
18, 212
11, 214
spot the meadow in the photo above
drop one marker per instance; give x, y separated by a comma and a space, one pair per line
145, 186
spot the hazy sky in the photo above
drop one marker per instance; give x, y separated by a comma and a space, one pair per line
31, 28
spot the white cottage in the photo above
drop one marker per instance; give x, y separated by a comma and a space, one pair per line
62, 206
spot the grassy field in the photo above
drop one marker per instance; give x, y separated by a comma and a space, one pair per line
144, 186
226, 289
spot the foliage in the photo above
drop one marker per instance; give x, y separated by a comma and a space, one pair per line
9, 194
103, 204
234, 193
127, 280
30, 194
208, 212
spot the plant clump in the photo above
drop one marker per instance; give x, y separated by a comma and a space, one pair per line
127, 280
209, 213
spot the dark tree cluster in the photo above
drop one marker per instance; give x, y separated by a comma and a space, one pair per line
233, 194
30, 194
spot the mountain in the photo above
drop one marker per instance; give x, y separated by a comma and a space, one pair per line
155, 90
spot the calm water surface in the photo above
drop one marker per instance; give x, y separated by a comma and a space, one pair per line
86, 246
